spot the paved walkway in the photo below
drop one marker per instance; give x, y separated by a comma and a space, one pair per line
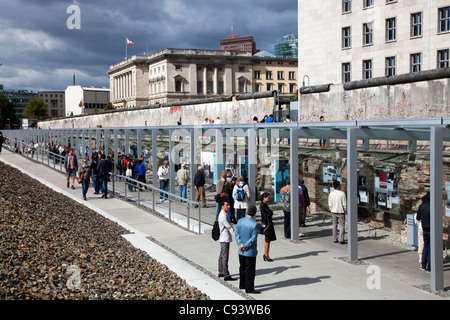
314, 268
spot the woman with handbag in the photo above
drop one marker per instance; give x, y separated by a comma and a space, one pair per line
267, 224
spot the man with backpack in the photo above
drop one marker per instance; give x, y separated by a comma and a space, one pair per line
241, 195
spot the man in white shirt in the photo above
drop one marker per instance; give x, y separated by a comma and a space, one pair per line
226, 236
337, 203
163, 174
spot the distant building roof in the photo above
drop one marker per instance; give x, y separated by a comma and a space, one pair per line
265, 54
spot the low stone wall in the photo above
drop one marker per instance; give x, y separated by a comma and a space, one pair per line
426, 99
230, 112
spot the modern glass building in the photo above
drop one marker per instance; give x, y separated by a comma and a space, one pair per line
287, 47
20, 99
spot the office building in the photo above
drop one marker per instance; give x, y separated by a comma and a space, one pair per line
287, 47
349, 40
19, 99
85, 100
55, 102
238, 43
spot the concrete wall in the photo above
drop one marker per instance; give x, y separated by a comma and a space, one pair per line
230, 112
426, 99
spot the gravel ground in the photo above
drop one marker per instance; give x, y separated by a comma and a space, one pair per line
53, 248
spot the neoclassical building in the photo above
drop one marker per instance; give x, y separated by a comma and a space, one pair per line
189, 74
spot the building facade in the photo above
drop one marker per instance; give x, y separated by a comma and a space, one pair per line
238, 43
85, 100
287, 47
275, 74
188, 74
19, 99
55, 102
350, 40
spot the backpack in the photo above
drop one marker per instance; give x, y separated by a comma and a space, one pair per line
215, 233
240, 194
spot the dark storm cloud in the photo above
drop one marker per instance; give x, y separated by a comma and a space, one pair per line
39, 52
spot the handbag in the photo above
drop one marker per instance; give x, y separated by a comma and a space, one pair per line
215, 233
219, 197
263, 229
129, 172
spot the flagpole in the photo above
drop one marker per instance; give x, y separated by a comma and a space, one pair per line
126, 49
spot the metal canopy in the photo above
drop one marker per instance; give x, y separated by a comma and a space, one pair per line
435, 130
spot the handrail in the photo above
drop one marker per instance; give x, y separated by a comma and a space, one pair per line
169, 196
127, 180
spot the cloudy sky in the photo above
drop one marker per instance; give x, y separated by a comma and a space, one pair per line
39, 52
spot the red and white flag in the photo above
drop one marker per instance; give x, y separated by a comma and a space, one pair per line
129, 42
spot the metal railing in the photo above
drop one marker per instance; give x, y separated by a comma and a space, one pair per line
145, 188
51, 159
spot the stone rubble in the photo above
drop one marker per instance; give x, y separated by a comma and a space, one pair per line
54, 248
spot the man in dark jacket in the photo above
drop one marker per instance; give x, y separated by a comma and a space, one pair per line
95, 176
423, 215
307, 202
199, 184
104, 168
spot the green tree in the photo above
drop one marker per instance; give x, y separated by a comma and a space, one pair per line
36, 109
7, 112
108, 107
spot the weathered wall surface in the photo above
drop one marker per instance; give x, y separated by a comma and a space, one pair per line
230, 112
410, 174
426, 99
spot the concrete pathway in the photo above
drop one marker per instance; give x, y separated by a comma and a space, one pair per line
312, 269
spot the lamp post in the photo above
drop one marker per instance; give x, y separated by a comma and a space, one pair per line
306, 76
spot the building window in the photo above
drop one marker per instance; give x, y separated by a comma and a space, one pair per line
346, 6
444, 19
241, 86
390, 66
346, 72
177, 67
367, 34
269, 87
443, 58
178, 84
416, 62
416, 25
367, 69
210, 86
199, 86
257, 87
368, 4
280, 88
346, 38
220, 87
291, 75
291, 88
390, 1
257, 75
269, 75
280, 75
391, 29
